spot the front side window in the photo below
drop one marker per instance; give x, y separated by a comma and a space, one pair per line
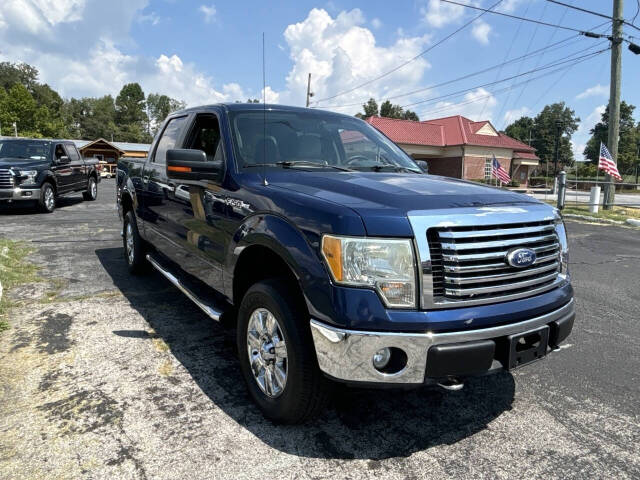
72, 153
168, 139
59, 152
313, 139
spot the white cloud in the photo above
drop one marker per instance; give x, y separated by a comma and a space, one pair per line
581, 136
437, 14
209, 12
513, 115
481, 31
339, 50
476, 105
342, 54
376, 23
508, 6
595, 91
153, 18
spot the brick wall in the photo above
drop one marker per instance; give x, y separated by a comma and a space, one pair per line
474, 167
447, 167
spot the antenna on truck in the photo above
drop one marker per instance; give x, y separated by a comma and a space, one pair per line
264, 119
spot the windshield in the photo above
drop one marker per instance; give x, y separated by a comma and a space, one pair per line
313, 139
24, 149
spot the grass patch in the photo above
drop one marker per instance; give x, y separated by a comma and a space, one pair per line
14, 270
616, 213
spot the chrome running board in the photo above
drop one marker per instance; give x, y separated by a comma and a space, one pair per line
211, 312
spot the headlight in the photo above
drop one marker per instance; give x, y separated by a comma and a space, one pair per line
564, 244
386, 265
27, 177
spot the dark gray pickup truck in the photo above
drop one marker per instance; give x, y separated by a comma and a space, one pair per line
37, 170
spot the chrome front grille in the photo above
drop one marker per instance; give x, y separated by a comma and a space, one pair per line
6, 179
468, 263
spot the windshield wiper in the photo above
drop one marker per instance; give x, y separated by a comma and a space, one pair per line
395, 168
306, 163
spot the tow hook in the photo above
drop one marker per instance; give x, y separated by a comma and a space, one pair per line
452, 384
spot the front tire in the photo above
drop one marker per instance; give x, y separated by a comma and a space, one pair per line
277, 355
134, 248
92, 190
47, 201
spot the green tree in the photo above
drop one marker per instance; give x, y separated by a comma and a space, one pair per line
627, 144
130, 105
522, 129
545, 131
14, 73
409, 115
20, 107
159, 107
387, 109
370, 108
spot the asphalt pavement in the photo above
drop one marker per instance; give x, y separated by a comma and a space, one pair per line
108, 376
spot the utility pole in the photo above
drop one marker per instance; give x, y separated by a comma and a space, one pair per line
309, 92
614, 98
15, 129
556, 152
637, 162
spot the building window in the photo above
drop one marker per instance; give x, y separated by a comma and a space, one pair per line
488, 163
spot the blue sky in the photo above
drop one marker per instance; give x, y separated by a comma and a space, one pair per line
208, 51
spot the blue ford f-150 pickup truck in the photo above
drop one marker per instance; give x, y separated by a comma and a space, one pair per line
337, 258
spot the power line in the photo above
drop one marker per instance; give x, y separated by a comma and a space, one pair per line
511, 44
440, 42
583, 32
505, 89
469, 75
596, 13
546, 67
581, 9
633, 20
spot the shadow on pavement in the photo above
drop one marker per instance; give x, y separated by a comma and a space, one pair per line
362, 424
30, 207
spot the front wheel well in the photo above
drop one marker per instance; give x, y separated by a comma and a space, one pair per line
257, 263
127, 203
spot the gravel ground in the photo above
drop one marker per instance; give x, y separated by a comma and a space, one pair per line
108, 376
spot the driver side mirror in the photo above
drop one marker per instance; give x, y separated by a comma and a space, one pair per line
189, 164
424, 166
64, 159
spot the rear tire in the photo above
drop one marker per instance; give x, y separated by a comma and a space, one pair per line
134, 247
302, 392
92, 190
47, 201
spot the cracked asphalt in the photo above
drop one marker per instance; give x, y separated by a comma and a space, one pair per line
107, 376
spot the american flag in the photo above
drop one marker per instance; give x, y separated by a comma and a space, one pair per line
499, 172
607, 164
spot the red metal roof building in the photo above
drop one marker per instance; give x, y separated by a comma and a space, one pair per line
459, 147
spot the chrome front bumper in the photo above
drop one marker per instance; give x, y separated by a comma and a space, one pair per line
18, 193
347, 355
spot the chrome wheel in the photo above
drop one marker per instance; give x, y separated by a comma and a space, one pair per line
94, 189
267, 352
128, 233
49, 198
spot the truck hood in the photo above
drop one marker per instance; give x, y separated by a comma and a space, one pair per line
23, 163
384, 199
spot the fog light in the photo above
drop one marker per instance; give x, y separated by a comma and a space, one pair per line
26, 194
381, 358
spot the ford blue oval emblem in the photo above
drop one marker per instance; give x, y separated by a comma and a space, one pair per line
521, 257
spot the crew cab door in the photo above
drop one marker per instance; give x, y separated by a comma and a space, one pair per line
157, 190
195, 209
78, 168
61, 167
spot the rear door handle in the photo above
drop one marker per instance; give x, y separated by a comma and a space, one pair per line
145, 179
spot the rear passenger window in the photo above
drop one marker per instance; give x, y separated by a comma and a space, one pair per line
168, 139
72, 153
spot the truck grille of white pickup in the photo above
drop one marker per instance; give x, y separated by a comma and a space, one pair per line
469, 264
6, 179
